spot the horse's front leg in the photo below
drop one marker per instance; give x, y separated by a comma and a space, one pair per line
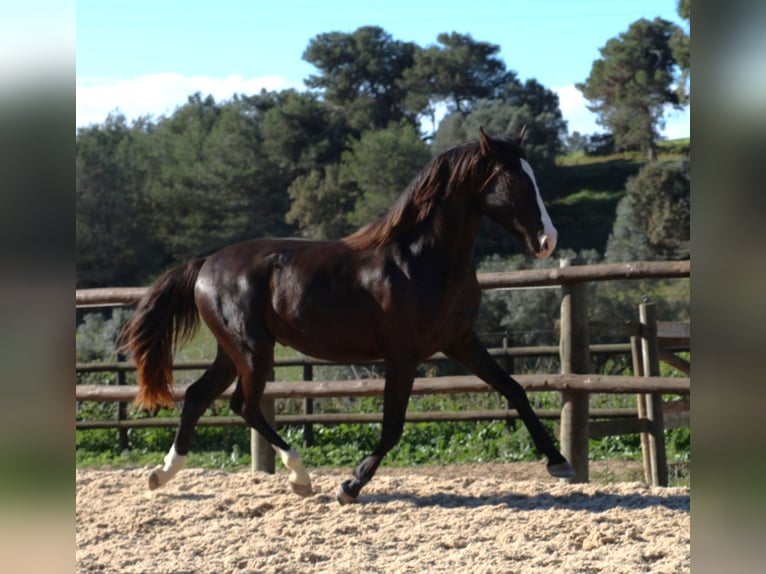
471, 353
396, 395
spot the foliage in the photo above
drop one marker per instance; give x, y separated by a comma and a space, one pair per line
96, 336
630, 85
363, 73
653, 219
300, 132
112, 164
458, 71
320, 202
680, 43
153, 194
600, 144
381, 164
213, 184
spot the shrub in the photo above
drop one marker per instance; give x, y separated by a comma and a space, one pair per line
653, 219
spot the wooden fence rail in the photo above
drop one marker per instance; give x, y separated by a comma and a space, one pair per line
503, 280
507, 352
355, 418
422, 386
650, 342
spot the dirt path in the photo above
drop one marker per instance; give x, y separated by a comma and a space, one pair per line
472, 518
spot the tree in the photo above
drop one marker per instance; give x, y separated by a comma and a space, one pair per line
361, 73
381, 164
653, 219
630, 85
680, 43
576, 142
254, 186
115, 244
214, 184
187, 213
320, 202
458, 71
301, 132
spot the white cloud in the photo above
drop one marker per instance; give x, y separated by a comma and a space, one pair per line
158, 94
573, 107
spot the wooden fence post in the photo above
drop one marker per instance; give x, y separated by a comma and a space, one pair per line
261, 453
641, 399
647, 313
575, 359
308, 407
510, 368
122, 409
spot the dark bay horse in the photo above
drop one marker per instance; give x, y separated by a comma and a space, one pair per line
399, 289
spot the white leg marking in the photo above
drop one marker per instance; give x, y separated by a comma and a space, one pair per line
550, 235
162, 474
300, 481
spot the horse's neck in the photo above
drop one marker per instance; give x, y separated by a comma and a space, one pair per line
448, 239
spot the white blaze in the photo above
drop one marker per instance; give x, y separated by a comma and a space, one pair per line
549, 231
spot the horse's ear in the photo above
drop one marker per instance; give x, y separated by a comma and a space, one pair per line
522, 132
486, 148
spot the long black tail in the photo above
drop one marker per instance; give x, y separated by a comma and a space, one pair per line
165, 317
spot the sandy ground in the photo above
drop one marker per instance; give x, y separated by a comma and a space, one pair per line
487, 518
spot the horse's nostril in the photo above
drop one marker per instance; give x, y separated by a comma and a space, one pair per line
547, 244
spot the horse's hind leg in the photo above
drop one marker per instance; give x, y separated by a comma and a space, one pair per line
253, 375
199, 396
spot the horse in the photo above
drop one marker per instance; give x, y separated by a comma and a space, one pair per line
398, 289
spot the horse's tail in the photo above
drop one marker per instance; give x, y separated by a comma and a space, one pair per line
165, 317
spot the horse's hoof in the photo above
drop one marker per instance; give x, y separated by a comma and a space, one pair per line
302, 489
344, 497
154, 481
561, 470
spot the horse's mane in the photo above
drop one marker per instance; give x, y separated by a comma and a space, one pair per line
439, 178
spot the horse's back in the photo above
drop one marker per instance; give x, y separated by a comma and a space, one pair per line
314, 296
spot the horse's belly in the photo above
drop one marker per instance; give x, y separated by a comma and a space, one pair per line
329, 341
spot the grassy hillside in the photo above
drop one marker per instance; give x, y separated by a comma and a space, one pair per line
583, 193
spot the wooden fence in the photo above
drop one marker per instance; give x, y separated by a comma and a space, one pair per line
649, 342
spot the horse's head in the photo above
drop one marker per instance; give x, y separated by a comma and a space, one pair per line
511, 196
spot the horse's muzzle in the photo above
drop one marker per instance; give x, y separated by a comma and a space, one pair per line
547, 245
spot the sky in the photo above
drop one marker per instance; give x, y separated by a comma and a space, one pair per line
145, 57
